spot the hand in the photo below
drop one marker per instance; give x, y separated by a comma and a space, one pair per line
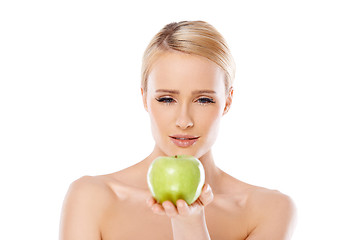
182, 208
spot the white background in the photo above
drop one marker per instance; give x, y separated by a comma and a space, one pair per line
70, 103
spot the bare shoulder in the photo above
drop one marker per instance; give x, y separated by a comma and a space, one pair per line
90, 189
88, 183
274, 213
85, 203
269, 202
258, 199
269, 213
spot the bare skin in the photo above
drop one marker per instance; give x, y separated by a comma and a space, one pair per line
116, 205
120, 206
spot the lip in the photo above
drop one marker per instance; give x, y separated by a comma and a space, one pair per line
183, 140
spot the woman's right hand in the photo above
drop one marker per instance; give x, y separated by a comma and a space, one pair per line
182, 209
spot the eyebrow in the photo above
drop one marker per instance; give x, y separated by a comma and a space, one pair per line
177, 92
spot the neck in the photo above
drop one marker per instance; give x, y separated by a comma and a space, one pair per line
212, 172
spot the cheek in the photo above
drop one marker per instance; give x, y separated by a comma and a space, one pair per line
159, 117
209, 120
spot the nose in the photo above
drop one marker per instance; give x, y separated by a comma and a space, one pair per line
184, 119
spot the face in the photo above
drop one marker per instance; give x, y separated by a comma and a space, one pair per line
185, 100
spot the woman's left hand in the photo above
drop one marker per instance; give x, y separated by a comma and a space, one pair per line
187, 221
182, 209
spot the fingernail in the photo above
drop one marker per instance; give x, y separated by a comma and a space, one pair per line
181, 204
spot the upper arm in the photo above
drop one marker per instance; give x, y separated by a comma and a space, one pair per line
82, 210
276, 218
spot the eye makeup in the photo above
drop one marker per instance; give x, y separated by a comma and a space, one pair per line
205, 100
166, 100
202, 100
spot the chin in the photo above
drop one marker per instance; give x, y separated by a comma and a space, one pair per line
169, 149
193, 151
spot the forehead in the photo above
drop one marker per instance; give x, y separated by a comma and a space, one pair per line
180, 71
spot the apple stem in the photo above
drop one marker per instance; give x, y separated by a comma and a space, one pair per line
175, 156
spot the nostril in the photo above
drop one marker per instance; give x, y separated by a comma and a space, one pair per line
184, 125
184, 122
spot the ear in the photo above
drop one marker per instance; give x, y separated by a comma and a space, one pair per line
228, 100
143, 94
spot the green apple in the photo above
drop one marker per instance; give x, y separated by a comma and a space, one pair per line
176, 177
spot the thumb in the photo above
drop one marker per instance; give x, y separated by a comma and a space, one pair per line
206, 195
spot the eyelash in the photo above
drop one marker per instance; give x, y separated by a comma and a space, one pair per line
169, 100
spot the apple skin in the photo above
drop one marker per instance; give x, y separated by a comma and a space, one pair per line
176, 177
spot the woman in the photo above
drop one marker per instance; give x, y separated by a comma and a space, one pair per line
186, 87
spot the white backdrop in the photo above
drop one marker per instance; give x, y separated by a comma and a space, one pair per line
70, 103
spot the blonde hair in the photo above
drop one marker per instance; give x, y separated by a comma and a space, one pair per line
191, 37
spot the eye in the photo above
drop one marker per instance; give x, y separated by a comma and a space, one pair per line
205, 100
166, 100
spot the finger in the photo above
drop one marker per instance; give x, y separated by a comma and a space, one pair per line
206, 195
154, 206
158, 209
182, 207
170, 209
196, 207
150, 201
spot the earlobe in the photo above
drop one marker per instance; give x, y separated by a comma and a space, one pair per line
143, 94
226, 110
228, 101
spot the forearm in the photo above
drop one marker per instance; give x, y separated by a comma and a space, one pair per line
188, 221
194, 228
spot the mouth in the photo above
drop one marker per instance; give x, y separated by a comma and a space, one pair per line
183, 137
184, 140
